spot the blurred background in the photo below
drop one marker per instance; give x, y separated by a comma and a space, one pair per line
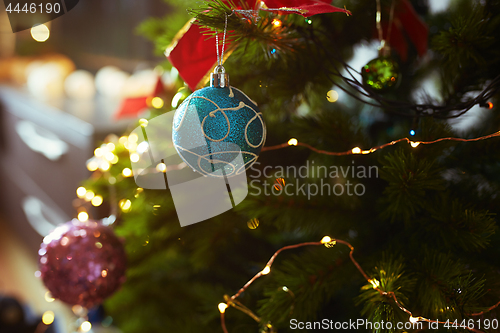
62, 87
95, 34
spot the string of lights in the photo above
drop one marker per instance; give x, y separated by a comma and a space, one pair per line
107, 155
485, 311
328, 242
358, 150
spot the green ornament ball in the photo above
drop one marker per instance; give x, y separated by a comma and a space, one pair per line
381, 74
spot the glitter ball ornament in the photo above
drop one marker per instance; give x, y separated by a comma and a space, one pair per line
381, 74
214, 125
82, 263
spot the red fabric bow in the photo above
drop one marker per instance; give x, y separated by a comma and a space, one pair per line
195, 57
305, 8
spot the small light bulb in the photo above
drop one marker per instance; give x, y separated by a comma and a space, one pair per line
96, 201
414, 144
92, 165
109, 156
78, 310
48, 317
222, 307
89, 195
293, 142
105, 166
86, 326
40, 33
98, 152
326, 239
125, 204
83, 216
49, 298
134, 157
133, 138
161, 167
266, 270
375, 283
142, 147
356, 150
122, 140
332, 96
177, 97
328, 242
277, 23
126, 172
138, 192
131, 146
81, 191
413, 320
143, 122
157, 103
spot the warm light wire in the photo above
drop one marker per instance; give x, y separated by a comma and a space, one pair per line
358, 151
231, 301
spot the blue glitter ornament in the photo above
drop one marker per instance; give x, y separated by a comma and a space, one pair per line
219, 128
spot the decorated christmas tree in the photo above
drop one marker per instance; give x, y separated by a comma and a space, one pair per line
376, 183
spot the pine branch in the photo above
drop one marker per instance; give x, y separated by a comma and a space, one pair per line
391, 276
460, 225
308, 287
255, 34
450, 289
411, 181
470, 48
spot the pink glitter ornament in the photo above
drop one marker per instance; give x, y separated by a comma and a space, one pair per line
82, 263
